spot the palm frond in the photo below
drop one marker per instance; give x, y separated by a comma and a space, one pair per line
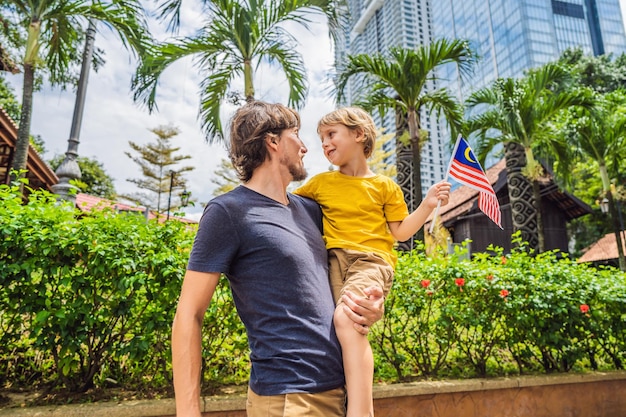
145, 80
213, 91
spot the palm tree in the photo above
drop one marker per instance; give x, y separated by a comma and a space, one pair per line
238, 37
402, 81
601, 135
53, 32
517, 113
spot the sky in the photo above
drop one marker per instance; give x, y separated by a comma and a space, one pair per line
111, 118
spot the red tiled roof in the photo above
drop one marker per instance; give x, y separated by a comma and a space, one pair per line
86, 202
603, 250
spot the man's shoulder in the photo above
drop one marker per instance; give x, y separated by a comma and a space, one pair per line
230, 196
304, 201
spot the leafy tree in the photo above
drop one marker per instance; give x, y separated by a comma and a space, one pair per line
601, 135
53, 30
603, 73
377, 161
94, 179
10, 104
225, 177
8, 100
517, 113
157, 161
238, 37
401, 80
587, 229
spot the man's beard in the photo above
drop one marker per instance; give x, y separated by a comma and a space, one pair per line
297, 171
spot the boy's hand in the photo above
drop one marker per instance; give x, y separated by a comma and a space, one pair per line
439, 191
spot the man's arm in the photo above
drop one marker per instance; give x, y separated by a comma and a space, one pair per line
364, 311
195, 297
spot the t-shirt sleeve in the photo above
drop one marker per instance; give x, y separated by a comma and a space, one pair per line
216, 241
306, 190
395, 207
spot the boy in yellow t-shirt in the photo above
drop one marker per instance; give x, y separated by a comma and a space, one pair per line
363, 215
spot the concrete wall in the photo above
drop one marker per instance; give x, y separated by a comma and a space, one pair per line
564, 395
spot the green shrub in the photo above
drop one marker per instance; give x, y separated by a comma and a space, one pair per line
93, 295
87, 299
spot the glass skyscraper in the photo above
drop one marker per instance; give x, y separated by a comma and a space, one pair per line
511, 36
373, 26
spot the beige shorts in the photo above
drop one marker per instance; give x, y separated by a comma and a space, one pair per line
353, 270
298, 404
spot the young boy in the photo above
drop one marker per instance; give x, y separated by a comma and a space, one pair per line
363, 215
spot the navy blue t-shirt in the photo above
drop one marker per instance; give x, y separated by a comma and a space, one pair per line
275, 259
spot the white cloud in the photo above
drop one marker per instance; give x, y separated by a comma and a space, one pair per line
111, 118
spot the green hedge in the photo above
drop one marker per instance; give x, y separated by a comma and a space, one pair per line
500, 314
88, 299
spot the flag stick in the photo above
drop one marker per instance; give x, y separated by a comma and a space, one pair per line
456, 146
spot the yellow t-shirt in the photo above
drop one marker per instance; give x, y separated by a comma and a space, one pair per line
356, 211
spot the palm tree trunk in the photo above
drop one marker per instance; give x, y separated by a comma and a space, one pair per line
403, 168
248, 83
541, 239
521, 195
416, 151
617, 230
20, 156
617, 227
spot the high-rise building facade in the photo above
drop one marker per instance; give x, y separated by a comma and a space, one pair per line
373, 26
511, 36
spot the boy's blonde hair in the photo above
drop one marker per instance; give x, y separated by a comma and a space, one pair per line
354, 118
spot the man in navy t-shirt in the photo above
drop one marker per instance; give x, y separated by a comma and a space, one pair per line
268, 244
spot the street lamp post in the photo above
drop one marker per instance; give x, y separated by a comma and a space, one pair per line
69, 169
184, 198
619, 210
604, 205
184, 195
608, 205
169, 198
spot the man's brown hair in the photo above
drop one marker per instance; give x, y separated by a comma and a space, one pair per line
248, 129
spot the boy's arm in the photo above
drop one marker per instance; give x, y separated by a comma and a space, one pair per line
195, 297
403, 230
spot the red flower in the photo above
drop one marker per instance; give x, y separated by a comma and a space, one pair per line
425, 283
429, 293
504, 293
490, 277
503, 260
584, 308
459, 281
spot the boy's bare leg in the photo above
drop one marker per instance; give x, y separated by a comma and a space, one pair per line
358, 365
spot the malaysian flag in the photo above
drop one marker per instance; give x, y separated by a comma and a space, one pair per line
464, 168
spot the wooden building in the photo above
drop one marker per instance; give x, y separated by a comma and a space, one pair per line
463, 219
40, 175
